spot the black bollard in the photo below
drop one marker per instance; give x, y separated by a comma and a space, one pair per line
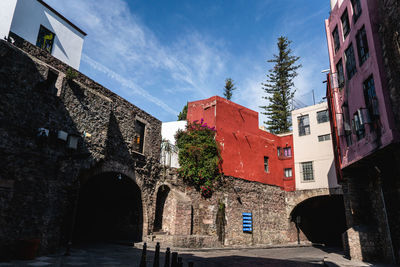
174, 262
191, 264
167, 256
180, 263
157, 256
143, 259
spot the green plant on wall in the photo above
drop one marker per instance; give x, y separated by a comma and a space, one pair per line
199, 157
71, 74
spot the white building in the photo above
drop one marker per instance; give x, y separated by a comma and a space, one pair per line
169, 157
41, 25
313, 151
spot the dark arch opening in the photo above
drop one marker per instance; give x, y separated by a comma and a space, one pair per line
109, 209
321, 219
162, 195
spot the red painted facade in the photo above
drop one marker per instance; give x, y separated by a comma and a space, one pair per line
243, 145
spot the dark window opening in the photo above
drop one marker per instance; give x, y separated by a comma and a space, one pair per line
162, 195
371, 100
45, 39
340, 73
336, 40
356, 9
350, 62
304, 125
362, 45
346, 125
140, 128
322, 116
345, 24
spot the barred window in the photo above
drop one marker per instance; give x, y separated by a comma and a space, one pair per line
362, 45
322, 116
307, 171
304, 125
324, 137
140, 130
336, 40
350, 62
345, 24
356, 9
371, 101
339, 69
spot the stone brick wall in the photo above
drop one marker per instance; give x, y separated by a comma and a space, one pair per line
39, 174
389, 29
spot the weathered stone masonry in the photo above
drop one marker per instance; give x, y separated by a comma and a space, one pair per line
40, 178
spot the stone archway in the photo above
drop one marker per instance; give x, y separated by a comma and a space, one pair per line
321, 219
109, 209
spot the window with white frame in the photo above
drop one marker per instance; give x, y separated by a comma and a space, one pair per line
287, 151
266, 167
304, 125
288, 172
307, 171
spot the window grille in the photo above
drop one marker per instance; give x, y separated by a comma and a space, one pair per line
304, 125
307, 171
322, 116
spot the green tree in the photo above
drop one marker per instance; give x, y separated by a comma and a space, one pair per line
279, 88
229, 87
182, 115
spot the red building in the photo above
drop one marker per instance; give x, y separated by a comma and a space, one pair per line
247, 151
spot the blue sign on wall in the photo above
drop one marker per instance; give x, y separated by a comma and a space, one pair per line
247, 222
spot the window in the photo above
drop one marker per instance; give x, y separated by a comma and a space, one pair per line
356, 9
288, 172
279, 149
336, 41
350, 62
139, 127
307, 171
304, 125
322, 116
345, 24
371, 101
45, 39
362, 45
324, 137
287, 151
266, 167
346, 125
358, 126
340, 73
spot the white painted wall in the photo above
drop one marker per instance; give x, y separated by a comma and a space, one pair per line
7, 8
168, 131
308, 148
30, 14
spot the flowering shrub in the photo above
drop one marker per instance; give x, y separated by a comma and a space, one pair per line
199, 156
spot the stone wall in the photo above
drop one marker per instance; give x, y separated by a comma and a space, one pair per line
390, 39
40, 175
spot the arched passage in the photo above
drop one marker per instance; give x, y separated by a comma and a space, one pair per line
162, 195
321, 219
109, 209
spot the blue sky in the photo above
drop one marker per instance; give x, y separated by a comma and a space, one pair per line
161, 54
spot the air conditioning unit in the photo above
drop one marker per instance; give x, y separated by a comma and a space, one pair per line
363, 114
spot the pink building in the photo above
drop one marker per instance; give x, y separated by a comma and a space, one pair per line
362, 105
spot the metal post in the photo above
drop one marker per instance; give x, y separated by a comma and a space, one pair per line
298, 220
143, 259
157, 256
167, 257
174, 262
191, 264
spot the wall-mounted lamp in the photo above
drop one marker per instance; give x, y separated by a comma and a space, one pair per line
62, 135
43, 132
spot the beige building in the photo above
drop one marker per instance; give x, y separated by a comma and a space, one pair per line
313, 152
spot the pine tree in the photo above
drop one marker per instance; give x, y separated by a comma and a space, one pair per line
229, 87
182, 115
279, 88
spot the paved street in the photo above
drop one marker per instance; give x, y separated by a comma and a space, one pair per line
118, 255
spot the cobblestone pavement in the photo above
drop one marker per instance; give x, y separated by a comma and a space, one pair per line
118, 255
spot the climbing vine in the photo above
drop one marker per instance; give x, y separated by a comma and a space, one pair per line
199, 157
